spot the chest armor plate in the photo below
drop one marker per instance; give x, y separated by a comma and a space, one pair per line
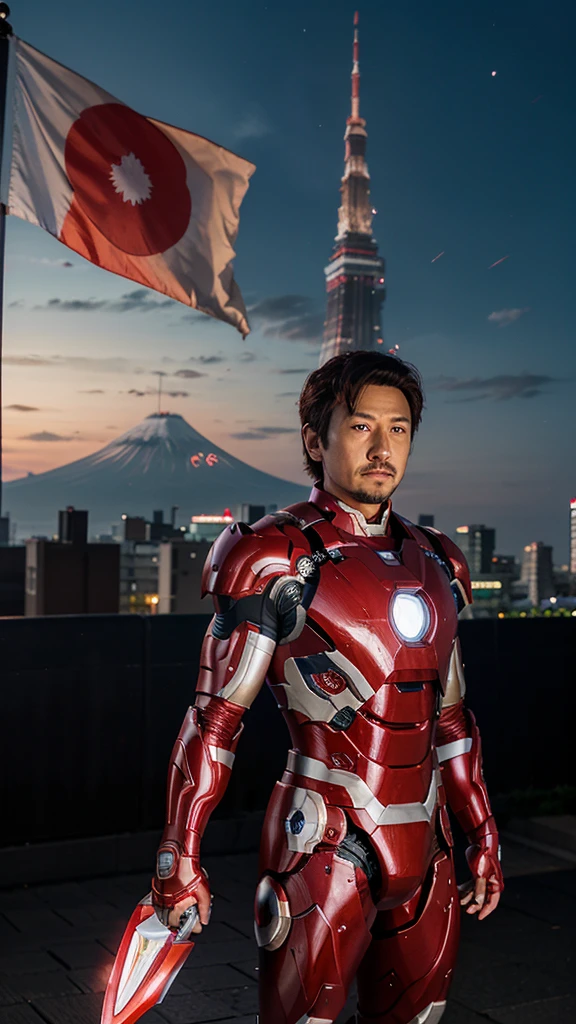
384, 614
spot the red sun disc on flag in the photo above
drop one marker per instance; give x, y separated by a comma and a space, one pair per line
128, 178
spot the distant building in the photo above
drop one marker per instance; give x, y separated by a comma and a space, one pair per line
179, 577
537, 571
505, 566
136, 528
69, 576
573, 537
477, 543
424, 519
252, 513
491, 594
4, 531
162, 530
208, 527
355, 273
12, 577
139, 576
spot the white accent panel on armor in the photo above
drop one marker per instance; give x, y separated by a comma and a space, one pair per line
276, 911
222, 755
449, 750
313, 810
266, 563
431, 1015
362, 685
455, 688
244, 685
361, 795
323, 709
314, 1020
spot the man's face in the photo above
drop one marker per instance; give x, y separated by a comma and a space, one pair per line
366, 454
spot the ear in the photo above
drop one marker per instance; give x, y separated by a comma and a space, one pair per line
312, 443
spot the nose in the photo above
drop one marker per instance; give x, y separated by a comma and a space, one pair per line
379, 449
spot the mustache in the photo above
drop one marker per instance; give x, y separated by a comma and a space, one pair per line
385, 467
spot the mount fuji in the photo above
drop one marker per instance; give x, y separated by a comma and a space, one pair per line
159, 463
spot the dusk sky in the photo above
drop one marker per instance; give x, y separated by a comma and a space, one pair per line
477, 166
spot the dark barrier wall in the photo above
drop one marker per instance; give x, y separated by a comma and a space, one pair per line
91, 706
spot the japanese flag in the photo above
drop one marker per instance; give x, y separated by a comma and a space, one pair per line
153, 203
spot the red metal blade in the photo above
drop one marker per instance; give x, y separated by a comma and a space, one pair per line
147, 961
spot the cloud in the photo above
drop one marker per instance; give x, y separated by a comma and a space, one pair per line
206, 360
246, 357
47, 435
252, 125
289, 317
177, 394
138, 394
187, 374
299, 369
500, 388
287, 394
22, 408
16, 304
45, 262
195, 318
26, 361
262, 433
88, 364
503, 317
141, 300
92, 391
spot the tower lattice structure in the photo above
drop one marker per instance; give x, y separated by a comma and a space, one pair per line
355, 273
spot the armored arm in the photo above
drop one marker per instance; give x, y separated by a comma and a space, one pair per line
460, 753
254, 606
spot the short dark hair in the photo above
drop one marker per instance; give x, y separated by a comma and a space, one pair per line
342, 379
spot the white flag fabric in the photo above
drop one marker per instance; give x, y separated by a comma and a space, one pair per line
138, 197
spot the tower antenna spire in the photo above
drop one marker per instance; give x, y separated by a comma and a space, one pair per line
356, 71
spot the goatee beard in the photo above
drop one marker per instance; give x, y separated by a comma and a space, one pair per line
367, 498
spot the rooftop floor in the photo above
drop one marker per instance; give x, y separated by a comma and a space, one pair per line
57, 944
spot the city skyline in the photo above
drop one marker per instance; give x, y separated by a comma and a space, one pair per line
464, 163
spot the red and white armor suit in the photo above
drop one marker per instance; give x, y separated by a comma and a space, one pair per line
354, 626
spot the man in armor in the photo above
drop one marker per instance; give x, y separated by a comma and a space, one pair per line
349, 611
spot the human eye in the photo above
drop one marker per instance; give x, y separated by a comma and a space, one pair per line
401, 430
360, 426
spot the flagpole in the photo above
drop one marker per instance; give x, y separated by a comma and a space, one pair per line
5, 33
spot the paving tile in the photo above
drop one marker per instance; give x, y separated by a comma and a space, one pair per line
186, 1009
63, 894
248, 967
81, 1009
7, 929
26, 962
91, 979
22, 1014
562, 881
81, 954
89, 916
7, 996
558, 1010
43, 983
539, 900
503, 984
40, 922
456, 1013
212, 979
219, 953
17, 899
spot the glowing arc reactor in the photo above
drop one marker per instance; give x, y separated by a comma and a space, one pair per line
410, 616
